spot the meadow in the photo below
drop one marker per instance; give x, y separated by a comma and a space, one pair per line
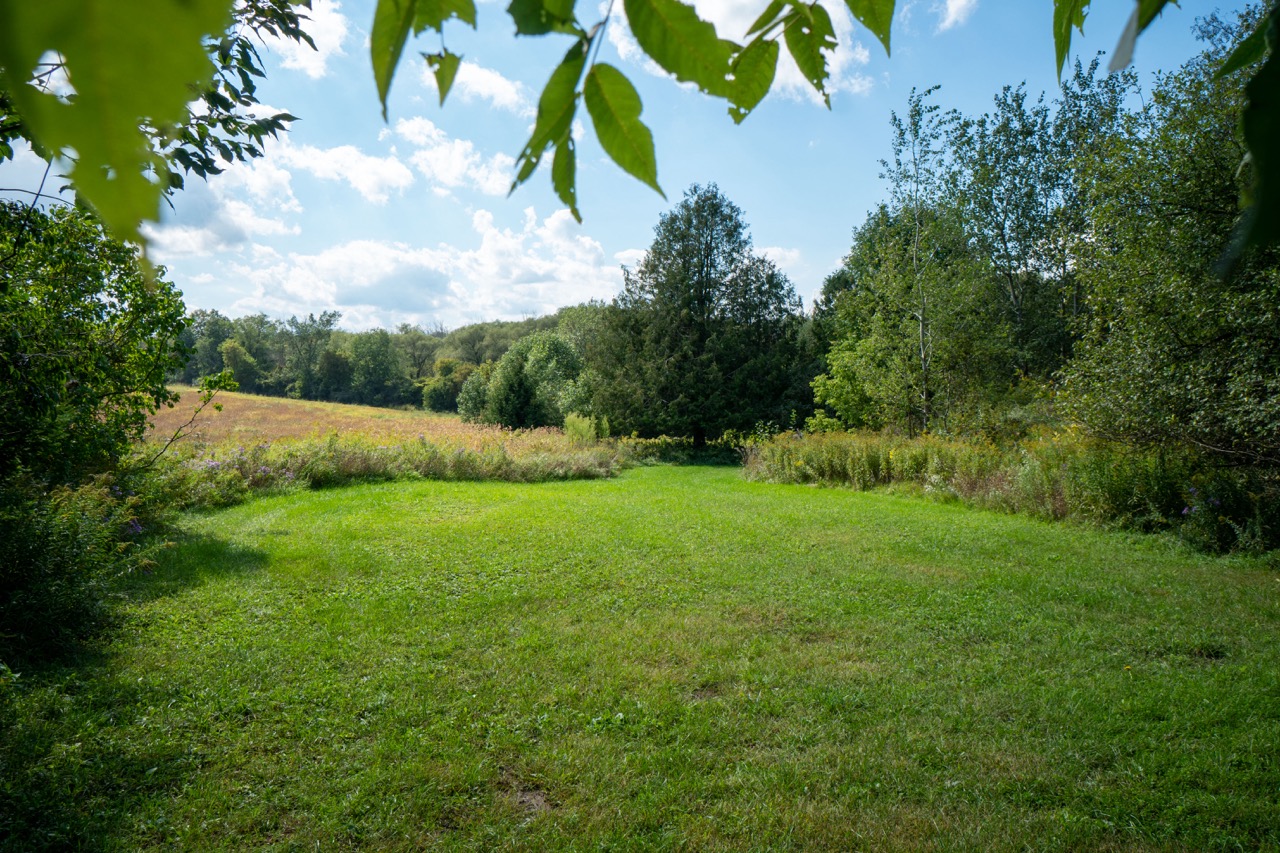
265, 445
672, 658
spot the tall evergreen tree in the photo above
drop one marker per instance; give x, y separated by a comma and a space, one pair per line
703, 337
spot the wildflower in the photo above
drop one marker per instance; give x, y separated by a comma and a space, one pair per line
134, 527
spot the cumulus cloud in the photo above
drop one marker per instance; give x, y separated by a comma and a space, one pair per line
477, 83
328, 27
372, 177
452, 163
249, 201
953, 13
732, 19
509, 272
786, 259
265, 181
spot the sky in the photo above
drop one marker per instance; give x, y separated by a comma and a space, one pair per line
409, 220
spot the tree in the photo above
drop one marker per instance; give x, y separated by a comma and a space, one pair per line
243, 367
527, 386
209, 330
376, 378
417, 349
1009, 180
144, 82
1174, 353
86, 343
915, 177
440, 392
305, 343
703, 336
875, 375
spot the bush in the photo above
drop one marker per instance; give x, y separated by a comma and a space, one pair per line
60, 551
1056, 477
584, 430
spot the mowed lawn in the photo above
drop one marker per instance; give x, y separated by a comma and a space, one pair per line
673, 659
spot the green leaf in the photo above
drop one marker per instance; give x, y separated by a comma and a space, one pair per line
682, 43
1149, 10
445, 67
1146, 12
132, 63
564, 172
392, 21
768, 17
556, 108
432, 14
875, 15
1261, 125
808, 34
1067, 15
539, 17
615, 108
753, 72
1247, 52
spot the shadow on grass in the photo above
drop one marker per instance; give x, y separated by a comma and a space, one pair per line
74, 771
191, 560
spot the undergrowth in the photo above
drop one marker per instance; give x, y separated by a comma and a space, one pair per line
1057, 476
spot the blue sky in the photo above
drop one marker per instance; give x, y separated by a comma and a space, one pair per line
409, 221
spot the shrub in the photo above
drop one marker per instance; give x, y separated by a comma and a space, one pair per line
60, 551
584, 430
1055, 477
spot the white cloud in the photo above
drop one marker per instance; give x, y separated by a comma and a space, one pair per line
266, 182
452, 163
248, 201
629, 257
786, 259
372, 177
953, 13
477, 83
732, 19
328, 27
533, 269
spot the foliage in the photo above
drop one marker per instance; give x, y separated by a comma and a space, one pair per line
132, 123
1174, 352
1058, 476
377, 378
585, 430
704, 336
306, 344
120, 92
440, 392
61, 551
86, 342
529, 386
473, 397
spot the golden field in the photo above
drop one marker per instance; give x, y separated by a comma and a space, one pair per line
248, 419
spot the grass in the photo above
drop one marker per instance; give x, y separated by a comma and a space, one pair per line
248, 419
264, 445
672, 659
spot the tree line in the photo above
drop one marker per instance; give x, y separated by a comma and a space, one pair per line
1047, 262
1060, 261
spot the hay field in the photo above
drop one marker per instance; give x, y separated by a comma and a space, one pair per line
248, 419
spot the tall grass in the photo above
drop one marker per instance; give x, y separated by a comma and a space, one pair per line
1057, 476
213, 475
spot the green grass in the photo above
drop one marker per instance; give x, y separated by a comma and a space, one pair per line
673, 659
